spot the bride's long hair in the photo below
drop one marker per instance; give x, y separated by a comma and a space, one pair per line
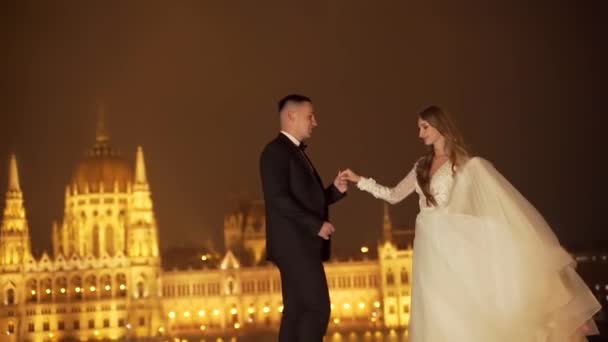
454, 145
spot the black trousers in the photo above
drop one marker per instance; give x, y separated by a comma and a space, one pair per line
306, 306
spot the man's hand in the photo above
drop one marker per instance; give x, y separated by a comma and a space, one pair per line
341, 182
326, 230
349, 175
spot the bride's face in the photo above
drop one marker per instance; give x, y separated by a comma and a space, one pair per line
427, 133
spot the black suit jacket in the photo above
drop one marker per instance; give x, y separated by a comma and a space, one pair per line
296, 202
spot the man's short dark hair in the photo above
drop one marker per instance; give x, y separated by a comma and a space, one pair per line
294, 98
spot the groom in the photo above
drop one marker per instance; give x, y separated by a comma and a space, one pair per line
297, 223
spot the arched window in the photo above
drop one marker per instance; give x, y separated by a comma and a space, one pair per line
76, 289
140, 289
109, 236
61, 289
90, 287
10, 297
390, 278
230, 286
46, 289
105, 286
32, 288
121, 285
404, 277
96, 241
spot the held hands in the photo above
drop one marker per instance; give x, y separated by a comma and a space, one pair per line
349, 175
326, 230
340, 182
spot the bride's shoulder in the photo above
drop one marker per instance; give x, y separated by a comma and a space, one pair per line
475, 161
418, 161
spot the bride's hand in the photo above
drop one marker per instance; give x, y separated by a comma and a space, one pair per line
349, 175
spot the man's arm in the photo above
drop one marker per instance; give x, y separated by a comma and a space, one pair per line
337, 190
274, 169
333, 195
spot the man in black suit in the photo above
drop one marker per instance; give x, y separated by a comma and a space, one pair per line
297, 222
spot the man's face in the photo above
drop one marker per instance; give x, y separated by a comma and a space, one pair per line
304, 120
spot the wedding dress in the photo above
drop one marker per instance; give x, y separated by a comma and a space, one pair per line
486, 266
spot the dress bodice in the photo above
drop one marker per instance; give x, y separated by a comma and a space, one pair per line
441, 185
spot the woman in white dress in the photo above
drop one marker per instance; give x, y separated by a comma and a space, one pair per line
487, 267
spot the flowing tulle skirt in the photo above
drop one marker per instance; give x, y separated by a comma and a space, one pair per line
476, 280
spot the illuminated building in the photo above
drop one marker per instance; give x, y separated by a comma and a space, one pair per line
104, 278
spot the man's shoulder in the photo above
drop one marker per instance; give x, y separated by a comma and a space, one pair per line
276, 145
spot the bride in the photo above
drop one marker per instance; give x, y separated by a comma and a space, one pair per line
487, 267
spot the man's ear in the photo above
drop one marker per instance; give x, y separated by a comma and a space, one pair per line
291, 115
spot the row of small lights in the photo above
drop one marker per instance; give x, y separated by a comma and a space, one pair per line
79, 289
251, 310
347, 306
51, 335
216, 312
593, 257
597, 287
96, 332
266, 310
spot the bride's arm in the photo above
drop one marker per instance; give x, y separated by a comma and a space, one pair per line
392, 195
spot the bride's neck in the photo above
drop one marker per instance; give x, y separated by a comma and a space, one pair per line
439, 149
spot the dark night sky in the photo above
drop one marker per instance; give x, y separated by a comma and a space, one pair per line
196, 84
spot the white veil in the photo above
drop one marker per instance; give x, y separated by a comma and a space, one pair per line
535, 287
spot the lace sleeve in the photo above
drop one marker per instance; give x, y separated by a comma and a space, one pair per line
392, 195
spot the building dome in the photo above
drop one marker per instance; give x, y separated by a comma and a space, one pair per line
102, 166
109, 170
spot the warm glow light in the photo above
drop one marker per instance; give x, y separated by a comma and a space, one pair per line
171, 314
376, 305
48, 291
33, 292
92, 288
161, 330
203, 327
50, 335
122, 287
373, 319
364, 249
281, 308
204, 258
78, 290
346, 306
361, 305
187, 314
62, 290
96, 332
266, 309
332, 306
251, 310
201, 313
233, 311
336, 320
108, 287
236, 325
216, 312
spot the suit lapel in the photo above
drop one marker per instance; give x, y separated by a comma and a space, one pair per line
304, 160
